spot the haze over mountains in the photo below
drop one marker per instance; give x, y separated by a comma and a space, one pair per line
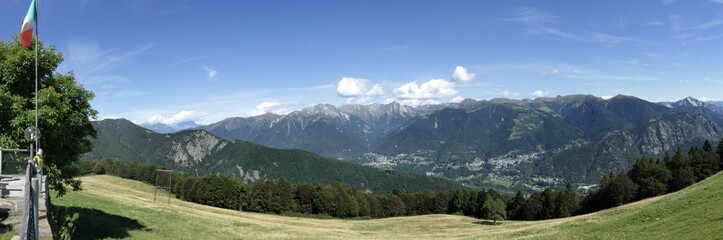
501, 143
160, 127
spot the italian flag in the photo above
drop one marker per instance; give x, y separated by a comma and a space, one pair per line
26, 31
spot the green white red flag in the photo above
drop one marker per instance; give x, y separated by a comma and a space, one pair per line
26, 31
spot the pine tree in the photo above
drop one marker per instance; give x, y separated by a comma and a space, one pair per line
284, 195
531, 208
304, 195
567, 202
707, 147
514, 205
681, 170
459, 201
652, 177
622, 190
548, 200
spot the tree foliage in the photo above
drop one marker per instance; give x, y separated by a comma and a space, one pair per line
64, 110
651, 176
567, 202
647, 178
514, 205
682, 171
493, 208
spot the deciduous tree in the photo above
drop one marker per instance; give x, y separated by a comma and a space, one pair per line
652, 177
64, 110
493, 208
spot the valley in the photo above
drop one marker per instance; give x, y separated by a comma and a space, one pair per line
505, 144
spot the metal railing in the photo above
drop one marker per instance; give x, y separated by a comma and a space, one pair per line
29, 227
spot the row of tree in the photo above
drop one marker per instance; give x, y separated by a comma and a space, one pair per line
647, 178
280, 196
650, 178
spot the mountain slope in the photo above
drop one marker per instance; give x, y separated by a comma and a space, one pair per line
503, 143
199, 153
345, 132
695, 212
532, 144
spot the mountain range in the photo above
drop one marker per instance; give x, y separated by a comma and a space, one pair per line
197, 152
160, 127
502, 143
505, 144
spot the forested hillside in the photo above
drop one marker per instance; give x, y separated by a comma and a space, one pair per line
648, 178
198, 153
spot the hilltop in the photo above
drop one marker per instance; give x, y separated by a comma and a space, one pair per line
112, 207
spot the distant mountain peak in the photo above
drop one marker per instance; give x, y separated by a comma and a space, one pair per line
693, 101
169, 128
688, 102
322, 108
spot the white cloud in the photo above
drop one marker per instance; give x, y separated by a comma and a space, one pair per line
693, 20
533, 16
100, 69
182, 116
351, 87
417, 102
272, 107
708, 99
553, 71
211, 72
376, 91
540, 93
507, 93
606, 97
84, 51
432, 89
460, 74
457, 99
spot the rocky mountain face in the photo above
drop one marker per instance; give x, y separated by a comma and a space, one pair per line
345, 132
502, 143
197, 152
695, 106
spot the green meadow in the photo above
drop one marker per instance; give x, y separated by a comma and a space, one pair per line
111, 207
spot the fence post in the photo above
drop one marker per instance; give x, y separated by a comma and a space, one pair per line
36, 205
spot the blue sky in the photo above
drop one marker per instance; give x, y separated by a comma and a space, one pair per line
168, 61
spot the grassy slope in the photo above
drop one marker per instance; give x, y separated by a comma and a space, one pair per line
116, 208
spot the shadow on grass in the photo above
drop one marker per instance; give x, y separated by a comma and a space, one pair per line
4, 214
96, 224
486, 222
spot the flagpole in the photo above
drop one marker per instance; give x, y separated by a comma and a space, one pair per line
39, 169
37, 39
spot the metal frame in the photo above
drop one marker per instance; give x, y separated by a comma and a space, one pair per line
170, 181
